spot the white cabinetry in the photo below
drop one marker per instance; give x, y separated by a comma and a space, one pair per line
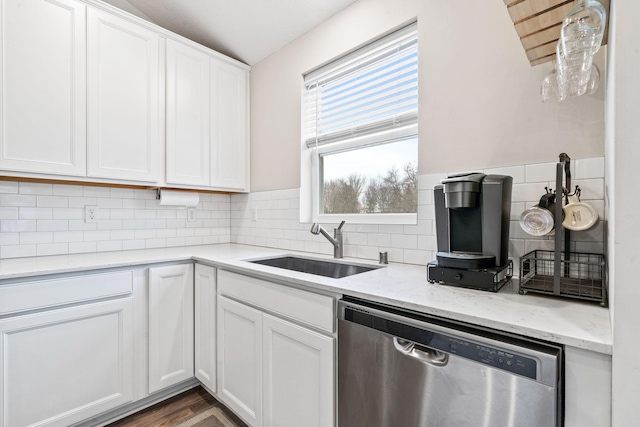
229, 123
170, 325
298, 375
123, 99
207, 137
43, 105
274, 371
205, 326
187, 115
240, 359
65, 364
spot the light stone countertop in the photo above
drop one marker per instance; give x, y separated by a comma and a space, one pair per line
571, 322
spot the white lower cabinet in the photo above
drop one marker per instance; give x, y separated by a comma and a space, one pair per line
240, 359
298, 375
271, 371
205, 325
170, 325
62, 366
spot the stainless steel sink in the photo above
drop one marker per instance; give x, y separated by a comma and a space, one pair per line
318, 267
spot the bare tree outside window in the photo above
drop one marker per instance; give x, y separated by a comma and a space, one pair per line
395, 192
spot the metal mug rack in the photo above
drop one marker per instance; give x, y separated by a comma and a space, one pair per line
561, 272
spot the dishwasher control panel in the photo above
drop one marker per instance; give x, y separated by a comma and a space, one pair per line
517, 364
469, 349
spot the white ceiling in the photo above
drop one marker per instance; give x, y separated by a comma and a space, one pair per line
247, 30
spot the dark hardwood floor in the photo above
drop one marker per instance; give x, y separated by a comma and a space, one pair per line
176, 410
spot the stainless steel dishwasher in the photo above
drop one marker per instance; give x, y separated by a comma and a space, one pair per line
397, 368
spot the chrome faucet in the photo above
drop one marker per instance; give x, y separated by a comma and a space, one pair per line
336, 240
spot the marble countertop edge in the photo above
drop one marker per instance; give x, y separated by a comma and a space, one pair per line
574, 323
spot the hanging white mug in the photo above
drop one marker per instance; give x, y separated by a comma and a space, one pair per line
578, 216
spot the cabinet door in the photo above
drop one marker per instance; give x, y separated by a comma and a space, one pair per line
170, 325
123, 99
63, 366
205, 324
240, 359
42, 70
298, 376
229, 135
187, 115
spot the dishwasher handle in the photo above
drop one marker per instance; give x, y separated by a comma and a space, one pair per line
421, 353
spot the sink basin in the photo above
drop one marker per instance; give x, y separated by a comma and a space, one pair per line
318, 267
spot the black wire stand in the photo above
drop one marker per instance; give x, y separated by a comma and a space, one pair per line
561, 272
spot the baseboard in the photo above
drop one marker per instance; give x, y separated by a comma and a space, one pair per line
132, 408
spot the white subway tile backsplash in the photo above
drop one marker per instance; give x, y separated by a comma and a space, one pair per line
279, 227
90, 191
48, 219
589, 168
67, 190
32, 237
68, 236
36, 188
9, 187
81, 202
17, 200
52, 249
516, 172
82, 247
38, 219
10, 213
67, 213
36, 213
53, 224
96, 236
405, 241
9, 239
109, 245
540, 172
528, 192
52, 201
79, 224
17, 251
17, 225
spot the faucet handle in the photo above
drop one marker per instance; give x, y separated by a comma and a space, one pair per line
341, 224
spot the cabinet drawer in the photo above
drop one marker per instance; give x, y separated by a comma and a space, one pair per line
23, 296
305, 307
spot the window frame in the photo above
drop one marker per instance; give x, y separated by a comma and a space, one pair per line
310, 189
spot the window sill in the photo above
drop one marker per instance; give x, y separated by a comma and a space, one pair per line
383, 219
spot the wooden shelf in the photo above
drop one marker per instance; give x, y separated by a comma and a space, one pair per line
538, 23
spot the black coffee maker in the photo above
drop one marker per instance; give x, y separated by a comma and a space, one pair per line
472, 228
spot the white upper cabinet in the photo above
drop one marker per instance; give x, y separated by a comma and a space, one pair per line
229, 135
43, 108
93, 94
188, 114
123, 99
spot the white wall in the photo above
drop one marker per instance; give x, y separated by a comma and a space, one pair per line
479, 98
623, 146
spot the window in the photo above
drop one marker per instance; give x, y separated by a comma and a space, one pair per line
360, 145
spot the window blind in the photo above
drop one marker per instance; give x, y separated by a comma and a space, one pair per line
371, 90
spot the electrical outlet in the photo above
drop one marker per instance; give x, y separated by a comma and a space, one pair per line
191, 214
90, 214
254, 214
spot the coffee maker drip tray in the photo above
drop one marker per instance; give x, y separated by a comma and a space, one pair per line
465, 260
486, 279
